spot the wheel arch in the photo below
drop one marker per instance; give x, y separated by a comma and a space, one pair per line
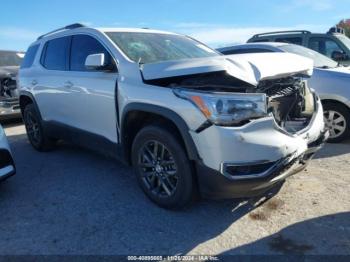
26, 98
335, 101
137, 115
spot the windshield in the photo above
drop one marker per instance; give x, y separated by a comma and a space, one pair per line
344, 39
319, 59
9, 58
155, 47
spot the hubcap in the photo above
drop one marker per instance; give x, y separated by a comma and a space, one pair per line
335, 122
32, 127
158, 169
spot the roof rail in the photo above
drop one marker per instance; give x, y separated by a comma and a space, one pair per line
282, 32
68, 27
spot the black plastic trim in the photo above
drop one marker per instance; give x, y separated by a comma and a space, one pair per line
213, 184
204, 126
84, 139
166, 113
30, 95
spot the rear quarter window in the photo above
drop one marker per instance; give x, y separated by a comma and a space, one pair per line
29, 56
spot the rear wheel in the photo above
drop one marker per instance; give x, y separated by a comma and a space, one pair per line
337, 120
162, 167
35, 131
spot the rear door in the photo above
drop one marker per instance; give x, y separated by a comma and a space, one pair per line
91, 106
48, 83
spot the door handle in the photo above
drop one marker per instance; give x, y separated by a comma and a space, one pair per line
34, 82
68, 84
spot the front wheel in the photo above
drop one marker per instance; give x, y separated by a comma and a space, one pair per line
337, 120
162, 167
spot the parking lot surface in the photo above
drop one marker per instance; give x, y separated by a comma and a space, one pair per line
73, 201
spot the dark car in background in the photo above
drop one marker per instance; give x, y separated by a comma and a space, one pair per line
9, 65
334, 44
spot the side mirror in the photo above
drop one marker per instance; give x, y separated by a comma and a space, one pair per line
339, 56
95, 61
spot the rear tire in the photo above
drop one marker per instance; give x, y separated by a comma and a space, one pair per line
163, 170
337, 120
35, 132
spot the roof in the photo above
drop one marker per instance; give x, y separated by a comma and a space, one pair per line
78, 26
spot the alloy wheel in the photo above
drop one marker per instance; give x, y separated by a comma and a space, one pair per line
158, 169
335, 122
32, 126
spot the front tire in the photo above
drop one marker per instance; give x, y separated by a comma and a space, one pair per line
35, 132
337, 120
162, 167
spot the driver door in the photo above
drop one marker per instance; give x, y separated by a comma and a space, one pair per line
91, 105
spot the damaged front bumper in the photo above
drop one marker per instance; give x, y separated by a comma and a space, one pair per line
249, 160
224, 184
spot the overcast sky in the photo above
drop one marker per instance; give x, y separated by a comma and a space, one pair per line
217, 23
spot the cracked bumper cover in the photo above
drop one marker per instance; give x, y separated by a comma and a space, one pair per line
213, 184
249, 160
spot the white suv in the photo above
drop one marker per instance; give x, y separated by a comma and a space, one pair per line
185, 117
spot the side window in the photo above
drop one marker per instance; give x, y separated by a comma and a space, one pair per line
324, 46
246, 51
54, 56
291, 40
29, 56
81, 47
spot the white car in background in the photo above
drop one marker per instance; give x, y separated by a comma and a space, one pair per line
7, 166
330, 80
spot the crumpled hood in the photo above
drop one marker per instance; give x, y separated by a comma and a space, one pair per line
5, 71
250, 68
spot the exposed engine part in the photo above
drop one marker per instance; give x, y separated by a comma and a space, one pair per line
8, 88
290, 101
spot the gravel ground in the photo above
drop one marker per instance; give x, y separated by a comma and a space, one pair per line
72, 201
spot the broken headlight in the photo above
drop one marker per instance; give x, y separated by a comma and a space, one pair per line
227, 108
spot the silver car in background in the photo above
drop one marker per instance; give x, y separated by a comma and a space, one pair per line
330, 80
7, 166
